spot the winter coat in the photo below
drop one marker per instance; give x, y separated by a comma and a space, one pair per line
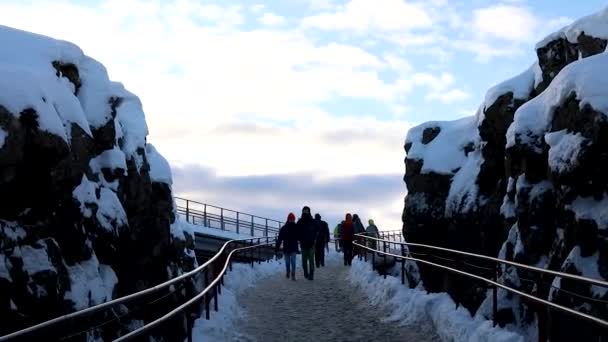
337, 231
372, 231
358, 226
323, 237
308, 231
288, 235
348, 231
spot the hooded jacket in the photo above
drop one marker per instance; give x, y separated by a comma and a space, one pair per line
348, 230
288, 236
372, 230
323, 236
308, 230
358, 226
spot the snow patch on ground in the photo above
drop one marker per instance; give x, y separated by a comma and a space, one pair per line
587, 208
242, 277
583, 77
445, 153
414, 306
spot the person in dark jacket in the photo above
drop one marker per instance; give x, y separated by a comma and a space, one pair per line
322, 242
288, 236
346, 235
359, 229
308, 231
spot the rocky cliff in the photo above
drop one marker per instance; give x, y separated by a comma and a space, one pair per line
86, 210
525, 178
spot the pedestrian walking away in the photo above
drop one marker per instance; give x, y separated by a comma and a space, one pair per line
358, 229
322, 242
337, 237
372, 231
288, 236
308, 231
347, 235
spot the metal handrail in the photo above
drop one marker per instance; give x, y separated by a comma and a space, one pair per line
190, 302
492, 282
485, 257
129, 297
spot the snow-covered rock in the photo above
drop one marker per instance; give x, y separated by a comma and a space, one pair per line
86, 207
528, 181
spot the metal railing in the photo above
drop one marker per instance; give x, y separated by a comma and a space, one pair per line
226, 219
213, 285
403, 248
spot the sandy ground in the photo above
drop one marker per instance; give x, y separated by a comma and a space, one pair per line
325, 309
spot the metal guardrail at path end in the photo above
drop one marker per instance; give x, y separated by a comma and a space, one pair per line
389, 245
212, 216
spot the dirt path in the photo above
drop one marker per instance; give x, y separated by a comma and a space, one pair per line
326, 309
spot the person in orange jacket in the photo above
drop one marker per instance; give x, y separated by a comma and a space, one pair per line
346, 236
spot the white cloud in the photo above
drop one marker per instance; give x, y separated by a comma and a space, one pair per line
450, 96
271, 19
508, 22
363, 15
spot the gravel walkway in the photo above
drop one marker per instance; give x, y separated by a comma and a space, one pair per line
326, 309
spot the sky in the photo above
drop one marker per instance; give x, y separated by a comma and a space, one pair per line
266, 106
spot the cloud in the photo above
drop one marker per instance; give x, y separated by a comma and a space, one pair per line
277, 194
507, 22
380, 15
271, 19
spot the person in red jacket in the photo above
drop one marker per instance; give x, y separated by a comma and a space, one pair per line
346, 235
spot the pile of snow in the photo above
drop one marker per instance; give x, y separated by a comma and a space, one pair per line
91, 283
414, 306
521, 86
587, 266
588, 208
463, 196
564, 150
238, 280
445, 153
594, 25
29, 80
584, 77
160, 171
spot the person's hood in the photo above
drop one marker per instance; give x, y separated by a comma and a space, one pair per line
371, 222
349, 218
318, 217
291, 217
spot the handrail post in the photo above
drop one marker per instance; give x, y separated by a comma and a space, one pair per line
374, 260
259, 252
384, 249
206, 298
237, 222
402, 265
187, 211
266, 230
189, 323
252, 226
495, 296
205, 216
215, 293
222, 218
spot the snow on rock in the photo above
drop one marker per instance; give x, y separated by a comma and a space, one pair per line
3, 136
588, 208
583, 78
463, 196
521, 86
587, 267
91, 283
160, 171
595, 25
35, 260
564, 150
74, 170
444, 154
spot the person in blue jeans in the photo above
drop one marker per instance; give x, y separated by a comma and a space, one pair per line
288, 236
